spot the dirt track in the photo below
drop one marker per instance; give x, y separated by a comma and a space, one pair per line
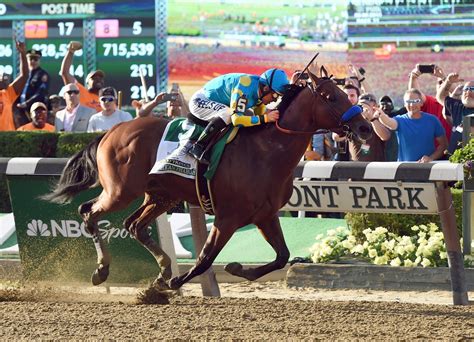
97, 316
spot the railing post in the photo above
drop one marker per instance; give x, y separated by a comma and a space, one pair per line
447, 217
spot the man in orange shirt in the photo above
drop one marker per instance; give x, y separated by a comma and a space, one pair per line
10, 92
39, 116
94, 80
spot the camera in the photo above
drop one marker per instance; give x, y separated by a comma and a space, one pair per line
304, 76
426, 68
170, 97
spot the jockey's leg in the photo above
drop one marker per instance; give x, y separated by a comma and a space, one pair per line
210, 111
137, 225
271, 231
199, 147
216, 240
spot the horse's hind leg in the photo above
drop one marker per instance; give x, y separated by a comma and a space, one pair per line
91, 211
137, 223
271, 231
216, 240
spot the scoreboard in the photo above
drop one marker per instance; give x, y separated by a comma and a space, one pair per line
121, 37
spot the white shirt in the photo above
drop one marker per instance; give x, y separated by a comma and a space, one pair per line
69, 117
100, 122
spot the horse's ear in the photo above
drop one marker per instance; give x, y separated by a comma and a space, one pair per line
313, 77
324, 72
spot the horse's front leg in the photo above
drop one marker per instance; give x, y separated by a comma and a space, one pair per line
271, 231
216, 240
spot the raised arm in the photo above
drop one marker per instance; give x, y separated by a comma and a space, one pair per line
387, 121
443, 90
19, 83
67, 62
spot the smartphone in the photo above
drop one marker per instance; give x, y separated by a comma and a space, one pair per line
426, 68
170, 97
340, 81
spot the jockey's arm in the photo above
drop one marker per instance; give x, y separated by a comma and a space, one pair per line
239, 107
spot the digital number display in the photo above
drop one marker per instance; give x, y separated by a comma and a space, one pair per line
124, 36
54, 47
6, 48
122, 58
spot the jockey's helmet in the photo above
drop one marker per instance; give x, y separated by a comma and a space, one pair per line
276, 79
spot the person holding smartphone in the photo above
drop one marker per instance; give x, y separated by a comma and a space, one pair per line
457, 109
430, 104
416, 131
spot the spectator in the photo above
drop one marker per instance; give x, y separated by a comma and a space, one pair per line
357, 79
391, 145
144, 109
35, 89
10, 92
374, 148
75, 117
94, 80
110, 115
416, 131
56, 103
430, 105
456, 108
39, 116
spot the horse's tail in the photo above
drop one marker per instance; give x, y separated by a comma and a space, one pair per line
79, 174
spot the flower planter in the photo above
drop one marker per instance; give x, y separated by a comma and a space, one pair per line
373, 277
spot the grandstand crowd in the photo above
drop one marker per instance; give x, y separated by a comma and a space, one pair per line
428, 127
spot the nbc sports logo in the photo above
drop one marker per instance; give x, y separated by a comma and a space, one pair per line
37, 228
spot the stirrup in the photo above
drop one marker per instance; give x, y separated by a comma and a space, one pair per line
197, 151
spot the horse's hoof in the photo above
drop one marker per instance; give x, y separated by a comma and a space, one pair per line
234, 268
160, 284
100, 275
174, 283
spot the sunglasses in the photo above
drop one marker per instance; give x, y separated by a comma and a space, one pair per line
70, 92
107, 99
413, 101
468, 88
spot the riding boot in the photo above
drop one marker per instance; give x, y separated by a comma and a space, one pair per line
199, 147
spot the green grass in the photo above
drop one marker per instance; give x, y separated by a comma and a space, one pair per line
210, 17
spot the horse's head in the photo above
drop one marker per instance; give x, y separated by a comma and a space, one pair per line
339, 115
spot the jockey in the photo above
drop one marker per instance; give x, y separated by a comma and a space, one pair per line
231, 98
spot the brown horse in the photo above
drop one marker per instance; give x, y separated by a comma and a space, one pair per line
253, 181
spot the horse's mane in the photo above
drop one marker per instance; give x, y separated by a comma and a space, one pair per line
289, 96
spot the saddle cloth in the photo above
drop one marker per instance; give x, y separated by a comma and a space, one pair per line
171, 155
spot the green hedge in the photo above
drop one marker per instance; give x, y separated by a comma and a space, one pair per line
37, 144
400, 224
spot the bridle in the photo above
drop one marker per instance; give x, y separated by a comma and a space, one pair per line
341, 121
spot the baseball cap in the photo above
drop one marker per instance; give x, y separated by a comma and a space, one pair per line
108, 91
385, 98
95, 73
368, 97
33, 52
37, 105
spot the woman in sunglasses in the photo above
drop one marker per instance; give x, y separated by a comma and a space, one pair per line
228, 98
416, 131
110, 114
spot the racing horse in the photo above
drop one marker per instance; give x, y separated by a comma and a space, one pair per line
253, 181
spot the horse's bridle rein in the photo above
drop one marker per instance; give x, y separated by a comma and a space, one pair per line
348, 115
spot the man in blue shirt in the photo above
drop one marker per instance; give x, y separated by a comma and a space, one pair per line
416, 131
229, 98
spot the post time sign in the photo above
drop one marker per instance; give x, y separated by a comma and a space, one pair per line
119, 37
